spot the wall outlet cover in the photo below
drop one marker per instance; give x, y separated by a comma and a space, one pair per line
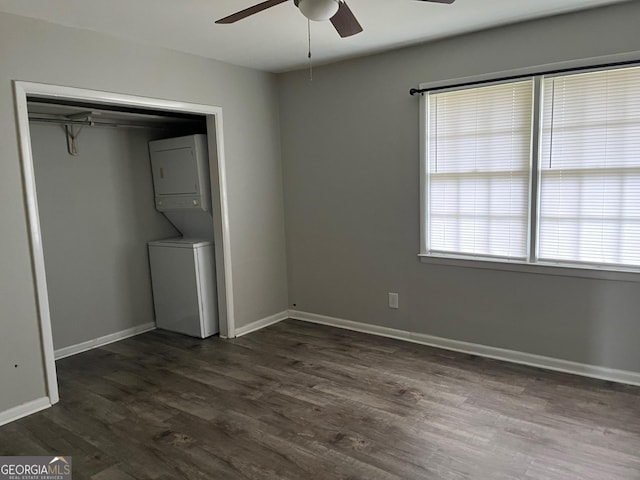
393, 300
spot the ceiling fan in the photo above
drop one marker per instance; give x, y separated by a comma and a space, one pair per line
337, 11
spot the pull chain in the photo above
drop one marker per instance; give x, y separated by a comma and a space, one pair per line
310, 62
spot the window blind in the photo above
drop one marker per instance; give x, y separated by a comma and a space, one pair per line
589, 200
478, 155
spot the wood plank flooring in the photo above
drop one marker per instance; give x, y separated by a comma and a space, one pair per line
302, 401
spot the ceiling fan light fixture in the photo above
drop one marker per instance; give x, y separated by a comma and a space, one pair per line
319, 10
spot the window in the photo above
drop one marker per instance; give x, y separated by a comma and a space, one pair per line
479, 155
590, 168
542, 170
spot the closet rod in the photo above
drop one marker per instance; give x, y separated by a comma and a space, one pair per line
92, 124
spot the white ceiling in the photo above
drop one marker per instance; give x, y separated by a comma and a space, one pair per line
276, 39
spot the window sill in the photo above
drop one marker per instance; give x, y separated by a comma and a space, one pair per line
537, 269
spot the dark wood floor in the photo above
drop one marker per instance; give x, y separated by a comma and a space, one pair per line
301, 401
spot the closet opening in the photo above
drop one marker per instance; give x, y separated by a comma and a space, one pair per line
126, 198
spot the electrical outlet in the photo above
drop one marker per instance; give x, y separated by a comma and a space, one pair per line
393, 300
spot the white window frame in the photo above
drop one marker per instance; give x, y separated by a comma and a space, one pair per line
532, 265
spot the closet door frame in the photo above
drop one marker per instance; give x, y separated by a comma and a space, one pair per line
218, 174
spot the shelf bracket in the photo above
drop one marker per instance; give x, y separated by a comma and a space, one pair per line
72, 137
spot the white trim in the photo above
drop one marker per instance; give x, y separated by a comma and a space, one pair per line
223, 275
534, 170
513, 356
538, 268
104, 340
24, 89
42, 297
425, 215
23, 410
262, 323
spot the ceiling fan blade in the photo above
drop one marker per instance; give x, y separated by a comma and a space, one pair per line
250, 11
449, 2
345, 21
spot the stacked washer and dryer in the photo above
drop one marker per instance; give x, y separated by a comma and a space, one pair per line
183, 268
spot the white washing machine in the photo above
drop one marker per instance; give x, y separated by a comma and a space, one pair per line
184, 286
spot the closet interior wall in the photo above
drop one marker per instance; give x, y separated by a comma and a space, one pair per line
97, 215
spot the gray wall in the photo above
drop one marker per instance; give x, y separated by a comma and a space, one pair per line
96, 216
36, 51
350, 144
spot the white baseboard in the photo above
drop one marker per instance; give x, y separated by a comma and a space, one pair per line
513, 356
101, 341
23, 410
262, 323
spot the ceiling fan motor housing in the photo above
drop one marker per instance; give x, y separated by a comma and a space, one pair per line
318, 10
